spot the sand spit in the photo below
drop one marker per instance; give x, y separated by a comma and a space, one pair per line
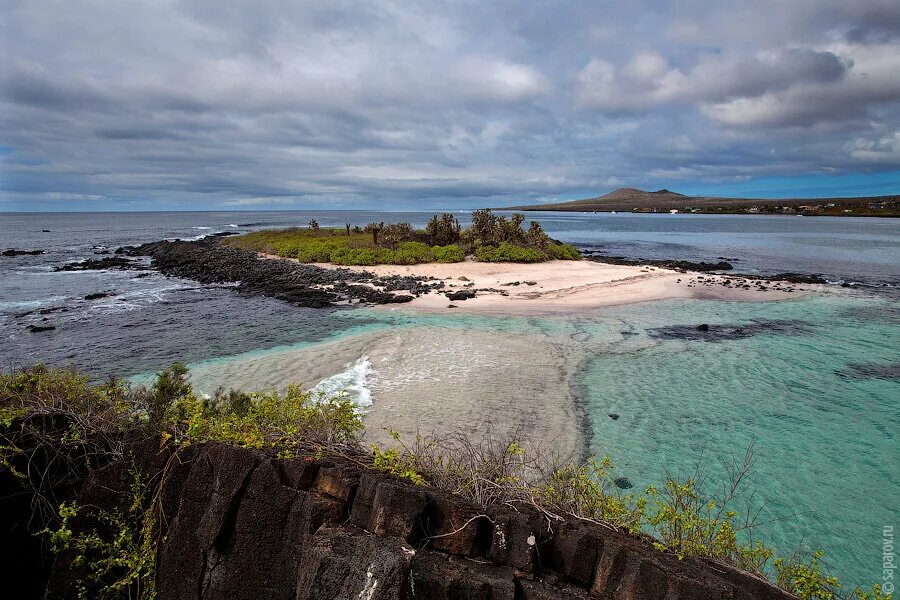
558, 286
434, 380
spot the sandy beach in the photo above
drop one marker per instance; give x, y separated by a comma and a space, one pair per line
562, 286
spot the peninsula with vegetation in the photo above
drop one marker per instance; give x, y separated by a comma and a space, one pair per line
490, 238
667, 201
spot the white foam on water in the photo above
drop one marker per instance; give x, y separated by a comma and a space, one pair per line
352, 381
25, 304
201, 227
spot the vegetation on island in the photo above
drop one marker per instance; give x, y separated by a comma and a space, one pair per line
113, 550
490, 238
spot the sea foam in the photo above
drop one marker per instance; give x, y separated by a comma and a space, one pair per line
352, 381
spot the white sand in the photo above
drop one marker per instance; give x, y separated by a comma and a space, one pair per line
563, 286
433, 380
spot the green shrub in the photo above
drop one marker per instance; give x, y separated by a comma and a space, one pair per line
507, 252
411, 253
359, 256
563, 252
448, 254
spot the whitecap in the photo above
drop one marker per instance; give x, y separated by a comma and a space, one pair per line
35, 303
201, 227
352, 381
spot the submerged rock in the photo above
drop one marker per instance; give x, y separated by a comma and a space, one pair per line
871, 370
40, 328
623, 483
722, 333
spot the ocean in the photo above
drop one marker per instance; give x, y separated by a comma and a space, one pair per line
813, 383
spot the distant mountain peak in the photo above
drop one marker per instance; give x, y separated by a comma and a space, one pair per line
635, 194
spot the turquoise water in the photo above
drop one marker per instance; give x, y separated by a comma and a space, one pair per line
813, 391
825, 437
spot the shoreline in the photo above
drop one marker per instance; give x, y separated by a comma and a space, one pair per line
560, 286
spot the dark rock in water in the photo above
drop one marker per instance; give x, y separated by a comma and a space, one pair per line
623, 483
40, 328
614, 416
45, 230
142, 275
722, 333
98, 295
93, 264
224, 234
683, 265
531, 283
451, 306
15, 252
461, 295
794, 278
464, 278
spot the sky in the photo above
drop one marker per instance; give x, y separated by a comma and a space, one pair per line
216, 104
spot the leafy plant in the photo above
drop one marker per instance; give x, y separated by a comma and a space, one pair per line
507, 252
448, 254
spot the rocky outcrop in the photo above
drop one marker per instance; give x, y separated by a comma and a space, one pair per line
677, 265
240, 524
208, 261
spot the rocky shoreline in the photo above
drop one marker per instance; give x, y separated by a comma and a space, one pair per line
240, 524
208, 261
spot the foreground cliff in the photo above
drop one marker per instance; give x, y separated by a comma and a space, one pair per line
237, 523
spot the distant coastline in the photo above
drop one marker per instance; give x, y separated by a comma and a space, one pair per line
666, 201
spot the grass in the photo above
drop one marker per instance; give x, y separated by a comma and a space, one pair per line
114, 550
399, 244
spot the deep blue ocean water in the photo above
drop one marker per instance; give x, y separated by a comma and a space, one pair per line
819, 398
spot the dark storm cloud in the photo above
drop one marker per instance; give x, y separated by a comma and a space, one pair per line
212, 103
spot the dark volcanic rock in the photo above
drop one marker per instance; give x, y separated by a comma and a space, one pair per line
682, 265
614, 416
722, 333
242, 525
461, 295
108, 262
15, 252
40, 328
209, 261
794, 278
98, 295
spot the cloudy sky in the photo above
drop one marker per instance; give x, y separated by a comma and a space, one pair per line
205, 104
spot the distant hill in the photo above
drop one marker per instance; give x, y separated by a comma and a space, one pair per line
635, 200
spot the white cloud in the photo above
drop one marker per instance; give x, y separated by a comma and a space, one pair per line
499, 80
